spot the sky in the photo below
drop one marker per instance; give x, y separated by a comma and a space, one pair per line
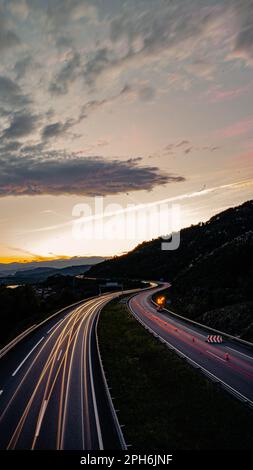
133, 101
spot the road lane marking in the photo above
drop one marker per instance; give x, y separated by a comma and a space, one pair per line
60, 353
55, 325
41, 418
238, 352
99, 433
209, 374
1, 391
29, 354
215, 355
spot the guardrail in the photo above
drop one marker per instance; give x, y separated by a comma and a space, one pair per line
208, 374
205, 327
109, 398
32, 328
117, 425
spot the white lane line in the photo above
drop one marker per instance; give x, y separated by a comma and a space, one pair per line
1, 391
20, 365
242, 354
215, 355
55, 325
194, 363
99, 433
60, 353
41, 418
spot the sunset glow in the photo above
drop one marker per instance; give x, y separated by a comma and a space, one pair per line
124, 102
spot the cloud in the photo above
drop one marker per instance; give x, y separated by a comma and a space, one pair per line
243, 42
150, 34
18, 8
11, 93
22, 66
187, 147
56, 129
201, 68
182, 143
238, 128
10, 147
87, 176
61, 12
142, 91
98, 63
67, 74
218, 95
21, 124
8, 39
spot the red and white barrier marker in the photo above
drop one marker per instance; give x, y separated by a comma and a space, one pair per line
214, 339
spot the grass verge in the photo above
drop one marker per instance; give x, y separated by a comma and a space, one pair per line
164, 403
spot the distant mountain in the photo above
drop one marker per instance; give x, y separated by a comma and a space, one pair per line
41, 274
12, 268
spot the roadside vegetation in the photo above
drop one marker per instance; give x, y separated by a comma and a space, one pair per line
29, 304
164, 403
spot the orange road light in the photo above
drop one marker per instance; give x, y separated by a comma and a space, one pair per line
160, 300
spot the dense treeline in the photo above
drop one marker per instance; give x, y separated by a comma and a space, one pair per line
218, 289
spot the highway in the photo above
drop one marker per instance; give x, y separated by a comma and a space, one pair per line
229, 363
51, 391
52, 394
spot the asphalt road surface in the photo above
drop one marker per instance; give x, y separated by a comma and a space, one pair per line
231, 363
51, 391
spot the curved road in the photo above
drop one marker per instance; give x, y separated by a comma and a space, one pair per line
235, 372
51, 392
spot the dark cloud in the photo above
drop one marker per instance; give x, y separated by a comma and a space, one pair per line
10, 147
140, 90
182, 143
171, 149
11, 93
64, 42
96, 64
187, 147
60, 12
67, 74
56, 129
210, 148
4, 112
148, 30
21, 125
76, 176
243, 46
8, 38
22, 66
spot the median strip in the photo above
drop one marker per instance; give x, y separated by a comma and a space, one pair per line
164, 402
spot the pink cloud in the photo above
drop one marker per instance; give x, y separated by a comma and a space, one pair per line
238, 128
218, 96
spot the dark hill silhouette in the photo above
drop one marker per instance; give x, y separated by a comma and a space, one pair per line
211, 272
148, 260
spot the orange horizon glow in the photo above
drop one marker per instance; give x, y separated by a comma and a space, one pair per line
32, 259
